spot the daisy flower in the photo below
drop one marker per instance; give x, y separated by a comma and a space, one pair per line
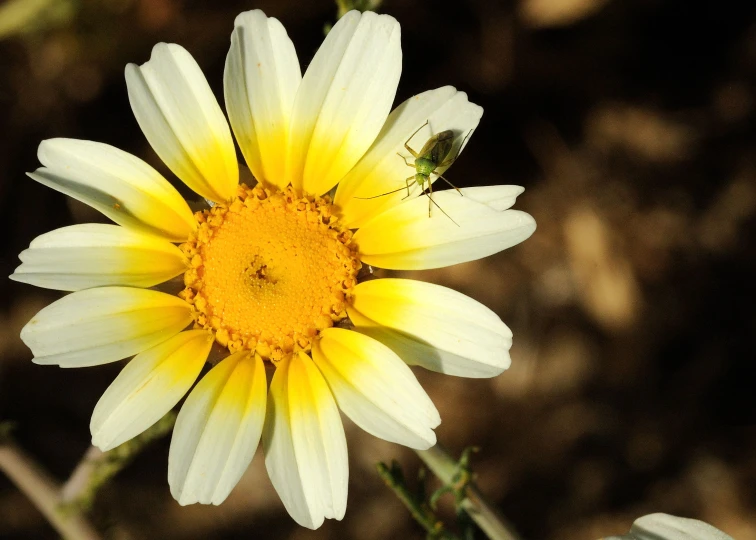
270, 271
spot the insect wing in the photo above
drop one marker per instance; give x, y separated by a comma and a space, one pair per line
438, 147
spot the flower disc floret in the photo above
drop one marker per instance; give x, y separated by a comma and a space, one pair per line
269, 270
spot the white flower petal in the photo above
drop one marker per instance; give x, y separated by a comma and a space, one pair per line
93, 255
432, 326
183, 122
260, 82
666, 527
499, 198
148, 387
405, 238
375, 388
121, 186
97, 326
217, 431
344, 99
381, 170
304, 443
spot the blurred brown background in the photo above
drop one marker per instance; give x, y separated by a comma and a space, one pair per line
631, 123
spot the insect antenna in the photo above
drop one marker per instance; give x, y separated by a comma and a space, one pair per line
381, 195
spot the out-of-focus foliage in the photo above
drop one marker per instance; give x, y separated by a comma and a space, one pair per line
546, 13
29, 16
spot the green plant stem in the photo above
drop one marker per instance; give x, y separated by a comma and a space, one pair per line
96, 468
493, 524
394, 479
44, 492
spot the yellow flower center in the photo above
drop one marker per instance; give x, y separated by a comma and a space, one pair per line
269, 270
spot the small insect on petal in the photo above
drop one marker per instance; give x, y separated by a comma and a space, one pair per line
436, 153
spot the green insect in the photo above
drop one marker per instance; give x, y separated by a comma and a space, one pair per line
436, 153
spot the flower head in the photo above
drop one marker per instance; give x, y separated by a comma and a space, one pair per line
270, 271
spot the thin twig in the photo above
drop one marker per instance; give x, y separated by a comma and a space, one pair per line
44, 492
394, 479
80, 479
493, 524
96, 468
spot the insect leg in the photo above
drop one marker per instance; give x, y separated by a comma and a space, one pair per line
406, 143
407, 181
452, 185
430, 196
405, 160
430, 200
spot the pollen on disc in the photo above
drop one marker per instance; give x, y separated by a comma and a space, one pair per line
269, 270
